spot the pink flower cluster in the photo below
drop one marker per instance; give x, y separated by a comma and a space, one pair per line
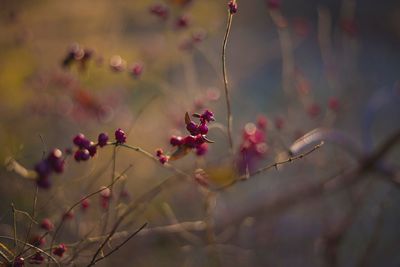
195, 140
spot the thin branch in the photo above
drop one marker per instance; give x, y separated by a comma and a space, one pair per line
32, 246
35, 197
120, 245
14, 225
225, 77
86, 197
114, 162
273, 165
150, 156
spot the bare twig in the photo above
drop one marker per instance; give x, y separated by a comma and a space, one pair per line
225, 77
120, 245
32, 246
82, 199
273, 165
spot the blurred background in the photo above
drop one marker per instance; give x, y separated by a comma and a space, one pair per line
69, 67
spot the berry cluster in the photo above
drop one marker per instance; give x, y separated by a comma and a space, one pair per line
88, 149
253, 144
53, 163
195, 140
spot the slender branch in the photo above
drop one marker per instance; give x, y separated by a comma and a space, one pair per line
86, 197
35, 197
120, 245
32, 246
114, 162
150, 156
14, 225
225, 77
270, 166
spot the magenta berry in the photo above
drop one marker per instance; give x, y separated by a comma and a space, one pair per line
182, 22
102, 139
60, 250
233, 7
82, 155
92, 149
201, 149
136, 70
176, 141
159, 152
199, 140
163, 159
120, 136
160, 11
190, 141
207, 116
18, 262
36, 259
43, 169
203, 129
85, 204
79, 139
47, 225
192, 128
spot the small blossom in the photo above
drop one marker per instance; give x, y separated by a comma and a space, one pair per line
120, 136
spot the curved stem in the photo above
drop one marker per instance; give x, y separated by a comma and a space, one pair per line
225, 76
